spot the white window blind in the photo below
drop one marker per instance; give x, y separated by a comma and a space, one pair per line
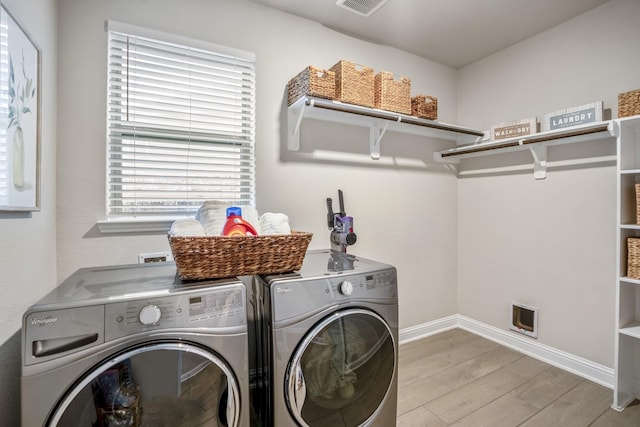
180, 126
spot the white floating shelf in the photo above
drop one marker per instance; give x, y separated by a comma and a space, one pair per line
378, 122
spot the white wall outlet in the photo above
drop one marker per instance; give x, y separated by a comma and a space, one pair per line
149, 257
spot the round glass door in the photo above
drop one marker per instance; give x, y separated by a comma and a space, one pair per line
342, 370
156, 384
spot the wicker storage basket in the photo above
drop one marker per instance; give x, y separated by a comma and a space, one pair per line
312, 81
633, 258
629, 103
425, 107
392, 94
354, 83
211, 257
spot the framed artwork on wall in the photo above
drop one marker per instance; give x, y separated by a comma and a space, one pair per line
19, 117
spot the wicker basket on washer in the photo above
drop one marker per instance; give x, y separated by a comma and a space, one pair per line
312, 81
354, 83
629, 103
211, 257
425, 107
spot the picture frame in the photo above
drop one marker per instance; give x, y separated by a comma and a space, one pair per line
20, 118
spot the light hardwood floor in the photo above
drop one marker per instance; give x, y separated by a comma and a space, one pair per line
457, 378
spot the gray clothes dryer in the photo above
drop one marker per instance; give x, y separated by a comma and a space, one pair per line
328, 343
133, 345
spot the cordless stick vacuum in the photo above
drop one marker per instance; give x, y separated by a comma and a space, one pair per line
341, 226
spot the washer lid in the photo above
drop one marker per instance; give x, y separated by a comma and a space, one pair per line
123, 282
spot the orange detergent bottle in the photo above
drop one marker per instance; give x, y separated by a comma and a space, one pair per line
235, 225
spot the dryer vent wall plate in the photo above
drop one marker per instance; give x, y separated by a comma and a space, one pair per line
361, 7
523, 319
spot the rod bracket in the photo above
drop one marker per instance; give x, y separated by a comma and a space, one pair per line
375, 136
295, 113
539, 154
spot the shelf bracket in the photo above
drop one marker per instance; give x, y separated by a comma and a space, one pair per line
539, 154
375, 136
295, 113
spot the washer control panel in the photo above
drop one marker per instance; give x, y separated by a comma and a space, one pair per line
150, 315
223, 306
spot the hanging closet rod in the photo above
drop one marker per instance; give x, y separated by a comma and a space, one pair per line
396, 117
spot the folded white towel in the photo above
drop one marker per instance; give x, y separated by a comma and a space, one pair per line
274, 223
212, 215
186, 227
250, 214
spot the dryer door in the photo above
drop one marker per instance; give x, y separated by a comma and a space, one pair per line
154, 384
343, 368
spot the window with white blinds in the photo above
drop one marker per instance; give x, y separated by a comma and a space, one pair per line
180, 124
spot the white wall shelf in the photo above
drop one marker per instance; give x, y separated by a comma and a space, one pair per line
536, 144
378, 122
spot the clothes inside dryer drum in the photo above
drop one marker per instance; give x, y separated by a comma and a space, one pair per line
347, 367
327, 363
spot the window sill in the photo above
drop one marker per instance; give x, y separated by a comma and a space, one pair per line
135, 225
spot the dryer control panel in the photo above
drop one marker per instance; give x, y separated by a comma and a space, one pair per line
292, 298
376, 285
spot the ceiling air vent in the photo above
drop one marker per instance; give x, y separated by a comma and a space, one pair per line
361, 7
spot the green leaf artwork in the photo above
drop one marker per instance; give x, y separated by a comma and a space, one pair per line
21, 93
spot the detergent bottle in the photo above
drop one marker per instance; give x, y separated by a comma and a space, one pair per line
235, 225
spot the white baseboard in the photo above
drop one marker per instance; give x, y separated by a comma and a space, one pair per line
422, 331
592, 371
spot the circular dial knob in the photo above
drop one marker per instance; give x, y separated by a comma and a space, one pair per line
346, 288
150, 315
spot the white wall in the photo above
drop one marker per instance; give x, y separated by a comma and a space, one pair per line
28, 249
404, 206
551, 243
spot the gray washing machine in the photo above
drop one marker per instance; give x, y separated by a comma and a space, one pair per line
327, 348
132, 345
